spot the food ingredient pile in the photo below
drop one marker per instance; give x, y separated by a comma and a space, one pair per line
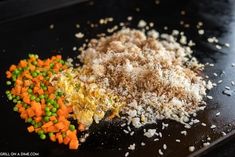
129, 75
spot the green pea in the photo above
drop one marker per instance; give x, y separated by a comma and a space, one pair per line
41, 96
44, 88
46, 119
40, 132
35, 62
25, 105
17, 98
39, 124
16, 72
47, 109
30, 91
9, 97
14, 78
43, 136
50, 134
32, 97
14, 100
63, 134
33, 122
8, 92
48, 113
55, 121
52, 65
15, 109
53, 110
53, 114
34, 74
56, 105
71, 127
37, 99
62, 62
29, 120
8, 83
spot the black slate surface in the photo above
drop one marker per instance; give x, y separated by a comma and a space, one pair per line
23, 36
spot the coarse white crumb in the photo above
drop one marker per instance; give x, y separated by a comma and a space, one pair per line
160, 152
142, 24
201, 32
157, 2
223, 133
227, 44
150, 133
183, 12
233, 64
184, 132
209, 97
74, 48
232, 83
129, 18
156, 139
132, 133
142, 144
217, 114
123, 124
220, 81
191, 148
127, 154
206, 144
177, 140
132, 147
218, 47
79, 35
153, 33
151, 24
77, 26
213, 126
51, 26
125, 131
227, 87
215, 74
164, 146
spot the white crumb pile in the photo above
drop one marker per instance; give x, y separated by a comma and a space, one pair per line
156, 77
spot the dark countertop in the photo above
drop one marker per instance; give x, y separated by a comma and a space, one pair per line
20, 35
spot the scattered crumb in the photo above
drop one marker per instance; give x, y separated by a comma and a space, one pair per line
132, 147
142, 24
209, 97
218, 47
129, 18
217, 114
157, 2
177, 140
191, 148
164, 146
126, 154
227, 44
79, 35
160, 152
184, 132
213, 126
201, 31
206, 144
51, 26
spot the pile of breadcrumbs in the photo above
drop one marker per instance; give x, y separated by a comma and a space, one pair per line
155, 76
